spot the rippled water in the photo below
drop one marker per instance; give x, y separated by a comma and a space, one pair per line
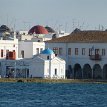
52, 95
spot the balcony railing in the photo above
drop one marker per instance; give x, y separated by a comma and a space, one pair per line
95, 57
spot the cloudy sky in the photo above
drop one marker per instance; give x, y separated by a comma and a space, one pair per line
59, 14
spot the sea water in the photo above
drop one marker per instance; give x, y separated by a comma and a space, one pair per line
53, 95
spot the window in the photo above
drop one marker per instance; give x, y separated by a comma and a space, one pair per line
90, 51
37, 50
96, 51
55, 50
27, 72
55, 71
76, 51
60, 51
13, 50
69, 51
47, 57
103, 52
2, 53
14, 45
83, 51
22, 53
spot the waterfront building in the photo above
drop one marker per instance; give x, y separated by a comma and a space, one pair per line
43, 65
21, 51
28, 48
85, 53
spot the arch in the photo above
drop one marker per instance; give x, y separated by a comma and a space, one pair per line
97, 72
87, 71
69, 72
105, 71
77, 71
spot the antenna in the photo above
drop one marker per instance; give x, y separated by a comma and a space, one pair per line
60, 27
81, 27
73, 24
54, 26
14, 26
66, 26
102, 27
99, 26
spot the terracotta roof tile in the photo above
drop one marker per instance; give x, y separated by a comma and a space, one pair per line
83, 36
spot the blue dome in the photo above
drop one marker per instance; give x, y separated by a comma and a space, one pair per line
47, 51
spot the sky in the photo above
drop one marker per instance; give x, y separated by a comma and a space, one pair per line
58, 14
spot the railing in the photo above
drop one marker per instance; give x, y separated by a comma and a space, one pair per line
95, 57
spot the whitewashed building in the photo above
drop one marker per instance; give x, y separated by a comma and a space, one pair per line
85, 53
8, 46
44, 65
28, 48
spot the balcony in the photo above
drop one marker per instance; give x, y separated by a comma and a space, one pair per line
95, 57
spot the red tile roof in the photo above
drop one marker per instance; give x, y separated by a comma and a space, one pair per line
82, 36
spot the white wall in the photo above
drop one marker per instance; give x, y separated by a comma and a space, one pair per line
85, 59
29, 48
81, 59
8, 45
46, 69
23, 32
60, 66
37, 69
40, 45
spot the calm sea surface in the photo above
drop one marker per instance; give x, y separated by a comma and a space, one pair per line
53, 95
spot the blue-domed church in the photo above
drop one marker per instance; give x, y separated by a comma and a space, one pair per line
43, 65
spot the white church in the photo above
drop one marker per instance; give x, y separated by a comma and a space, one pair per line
43, 65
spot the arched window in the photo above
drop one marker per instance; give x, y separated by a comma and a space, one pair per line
55, 71
47, 57
105, 71
77, 71
87, 71
97, 71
